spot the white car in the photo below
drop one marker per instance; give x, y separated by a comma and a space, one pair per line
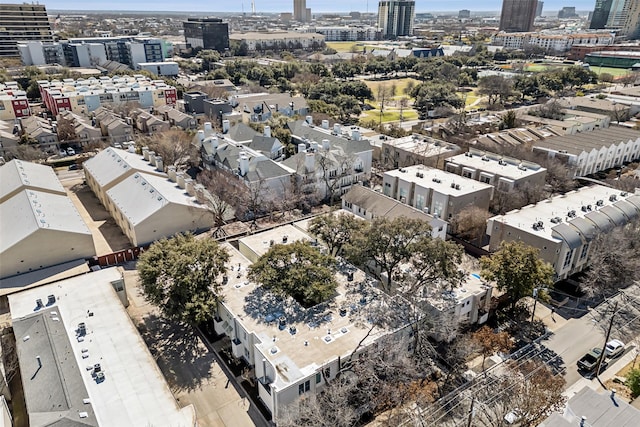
71, 151
614, 348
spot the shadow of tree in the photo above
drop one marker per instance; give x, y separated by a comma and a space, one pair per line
183, 359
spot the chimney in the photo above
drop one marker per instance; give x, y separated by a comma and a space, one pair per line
200, 135
336, 128
325, 124
207, 128
309, 120
355, 134
145, 153
213, 143
189, 187
180, 179
132, 147
172, 173
267, 131
159, 164
152, 157
225, 126
326, 145
243, 163
302, 148
199, 188
310, 162
313, 146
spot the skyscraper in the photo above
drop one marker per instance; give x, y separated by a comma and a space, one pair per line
518, 15
395, 17
22, 23
206, 33
300, 12
600, 14
539, 9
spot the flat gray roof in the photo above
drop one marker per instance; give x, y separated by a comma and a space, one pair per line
134, 392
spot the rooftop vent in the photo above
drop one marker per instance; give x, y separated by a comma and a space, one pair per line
419, 174
538, 225
468, 154
571, 214
436, 180
599, 203
613, 198
556, 220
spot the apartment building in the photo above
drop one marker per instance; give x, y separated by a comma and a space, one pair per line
295, 351
113, 127
396, 18
278, 40
552, 41
326, 161
563, 227
504, 173
591, 152
413, 150
83, 96
45, 228
347, 33
207, 33
436, 192
13, 102
22, 22
145, 203
85, 132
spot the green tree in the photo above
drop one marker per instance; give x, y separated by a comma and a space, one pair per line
182, 277
389, 245
297, 270
336, 230
429, 96
633, 382
517, 269
497, 88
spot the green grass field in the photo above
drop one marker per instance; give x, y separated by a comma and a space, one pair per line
400, 83
345, 46
390, 115
615, 72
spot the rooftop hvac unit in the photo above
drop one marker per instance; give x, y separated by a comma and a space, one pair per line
599, 203
82, 329
613, 198
453, 185
51, 299
457, 186
39, 304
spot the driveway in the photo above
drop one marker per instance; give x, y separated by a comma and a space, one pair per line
191, 370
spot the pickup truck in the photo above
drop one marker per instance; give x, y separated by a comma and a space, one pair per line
589, 361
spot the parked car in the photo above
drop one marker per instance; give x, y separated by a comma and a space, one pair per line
71, 151
614, 348
62, 153
589, 361
74, 167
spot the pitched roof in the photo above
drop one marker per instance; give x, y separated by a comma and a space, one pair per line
264, 144
241, 133
382, 206
112, 163
141, 195
587, 141
17, 175
302, 130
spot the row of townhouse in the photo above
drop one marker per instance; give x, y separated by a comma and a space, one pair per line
113, 127
563, 227
86, 95
590, 152
13, 102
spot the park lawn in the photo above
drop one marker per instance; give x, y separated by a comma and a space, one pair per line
390, 115
401, 84
344, 46
615, 72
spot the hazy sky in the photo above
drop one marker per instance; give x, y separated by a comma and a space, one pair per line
287, 5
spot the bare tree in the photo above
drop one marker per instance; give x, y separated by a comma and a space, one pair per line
174, 146
66, 130
335, 168
491, 342
470, 223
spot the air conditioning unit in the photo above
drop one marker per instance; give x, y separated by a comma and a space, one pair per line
613, 198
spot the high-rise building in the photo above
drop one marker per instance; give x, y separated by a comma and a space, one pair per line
631, 24
539, 8
600, 14
395, 17
23, 22
567, 13
518, 15
464, 14
207, 33
300, 10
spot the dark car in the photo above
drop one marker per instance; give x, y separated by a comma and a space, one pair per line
589, 361
74, 167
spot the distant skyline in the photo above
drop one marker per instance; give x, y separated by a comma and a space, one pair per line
317, 6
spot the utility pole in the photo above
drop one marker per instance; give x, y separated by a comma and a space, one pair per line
473, 400
606, 340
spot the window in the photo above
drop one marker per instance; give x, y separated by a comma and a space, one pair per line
304, 387
567, 259
348, 205
318, 378
585, 249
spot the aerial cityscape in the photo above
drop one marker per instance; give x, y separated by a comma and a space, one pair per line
308, 213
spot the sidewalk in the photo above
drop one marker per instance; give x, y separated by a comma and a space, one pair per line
553, 321
609, 373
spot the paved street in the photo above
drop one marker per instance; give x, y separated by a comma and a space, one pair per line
190, 368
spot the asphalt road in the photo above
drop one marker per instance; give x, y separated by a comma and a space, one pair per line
572, 341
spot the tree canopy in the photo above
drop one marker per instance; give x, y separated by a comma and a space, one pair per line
181, 276
517, 269
336, 230
298, 270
